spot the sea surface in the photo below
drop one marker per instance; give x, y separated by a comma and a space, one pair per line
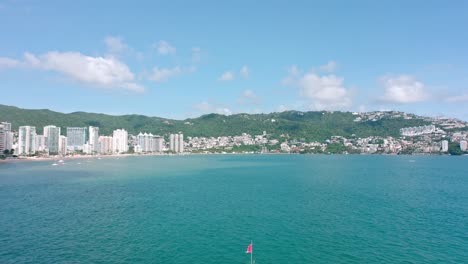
207, 209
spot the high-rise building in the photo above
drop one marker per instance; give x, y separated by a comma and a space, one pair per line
27, 140
6, 137
177, 142
45, 133
63, 145
3, 138
105, 145
52, 138
172, 142
463, 145
93, 140
444, 146
76, 137
181, 143
6, 126
41, 144
158, 143
120, 141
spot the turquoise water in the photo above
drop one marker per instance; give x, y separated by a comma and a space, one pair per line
207, 209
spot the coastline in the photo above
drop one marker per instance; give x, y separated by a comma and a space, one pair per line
81, 157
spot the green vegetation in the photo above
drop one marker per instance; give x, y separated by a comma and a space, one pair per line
309, 126
454, 149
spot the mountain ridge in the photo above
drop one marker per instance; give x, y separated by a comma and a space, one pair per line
310, 125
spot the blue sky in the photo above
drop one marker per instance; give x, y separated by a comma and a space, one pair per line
181, 59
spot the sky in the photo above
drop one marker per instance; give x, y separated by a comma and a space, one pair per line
180, 59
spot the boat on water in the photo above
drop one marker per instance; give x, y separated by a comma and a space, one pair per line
54, 164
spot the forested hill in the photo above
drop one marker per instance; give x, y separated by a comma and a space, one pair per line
317, 125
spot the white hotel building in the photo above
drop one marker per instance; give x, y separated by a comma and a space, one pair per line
176, 143
27, 140
120, 141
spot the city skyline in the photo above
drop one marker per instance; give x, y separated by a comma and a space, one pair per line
296, 56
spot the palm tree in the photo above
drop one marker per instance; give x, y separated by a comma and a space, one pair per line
6, 152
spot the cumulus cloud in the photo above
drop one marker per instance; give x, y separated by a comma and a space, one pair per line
8, 63
163, 74
164, 48
227, 76
96, 71
248, 97
245, 72
282, 108
403, 89
196, 54
331, 66
457, 99
325, 92
206, 108
293, 74
115, 45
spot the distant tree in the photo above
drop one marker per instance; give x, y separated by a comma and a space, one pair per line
6, 152
12, 151
454, 149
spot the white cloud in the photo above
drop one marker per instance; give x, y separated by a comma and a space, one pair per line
248, 97
206, 108
227, 76
293, 74
331, 66
325, 92
163, 74
403, 89
196, 54
282, 108
164, 48
8, 63
245, 72
115, 45
457, 99
96, 71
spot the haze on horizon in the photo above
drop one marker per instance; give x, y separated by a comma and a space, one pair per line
177, 59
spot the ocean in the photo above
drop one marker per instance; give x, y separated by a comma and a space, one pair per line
208, 208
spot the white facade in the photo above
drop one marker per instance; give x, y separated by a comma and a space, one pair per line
105, 145
41, 143
159, 144
3, 138
6, 125
149, 143
171, 142
463, 145
444, 145
177, 142
93, 140
6, 137
27, 140
52, 139
63, 145
120, 141
76, 137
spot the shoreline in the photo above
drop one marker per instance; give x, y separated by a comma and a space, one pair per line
80, 157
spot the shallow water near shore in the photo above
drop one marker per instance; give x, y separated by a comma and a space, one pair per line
207, 209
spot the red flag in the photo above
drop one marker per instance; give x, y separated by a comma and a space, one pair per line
249, 249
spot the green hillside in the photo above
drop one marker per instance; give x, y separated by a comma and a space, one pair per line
310, 126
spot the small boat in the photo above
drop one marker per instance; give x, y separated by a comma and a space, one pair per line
60, 161
54, 164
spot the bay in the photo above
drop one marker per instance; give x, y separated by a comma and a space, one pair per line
207, 209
